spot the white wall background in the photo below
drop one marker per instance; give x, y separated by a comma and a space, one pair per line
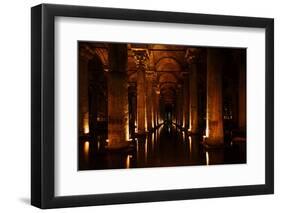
15, 105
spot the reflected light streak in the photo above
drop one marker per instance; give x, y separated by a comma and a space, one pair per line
98, 145
207, 158
128, 161
190, 144
152, 141
137, 147
86, 149
145, 149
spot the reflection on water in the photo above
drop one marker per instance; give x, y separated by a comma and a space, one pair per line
86, 150
167, 146
207, 158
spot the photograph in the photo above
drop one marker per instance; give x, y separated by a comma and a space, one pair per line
141, 105
160, 105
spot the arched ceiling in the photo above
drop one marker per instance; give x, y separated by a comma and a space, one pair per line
168, 64
165, 62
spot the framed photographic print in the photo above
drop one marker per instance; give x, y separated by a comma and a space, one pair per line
139, 106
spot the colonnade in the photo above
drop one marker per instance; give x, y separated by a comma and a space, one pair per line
148, 94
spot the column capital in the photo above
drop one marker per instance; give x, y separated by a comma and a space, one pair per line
141, 57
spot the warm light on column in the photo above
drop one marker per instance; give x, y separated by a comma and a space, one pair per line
207, 127
127, 133
207, 132
145, 120
86, 128
190, 124
152, 119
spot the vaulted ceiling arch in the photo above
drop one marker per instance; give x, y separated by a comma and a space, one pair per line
168, 63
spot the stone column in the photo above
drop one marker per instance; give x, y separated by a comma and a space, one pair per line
185, 77
149, 99
179, 106
141, 62
132, 107
156, 106
134, 112
118, 112
193, 103
214, 125
83, 94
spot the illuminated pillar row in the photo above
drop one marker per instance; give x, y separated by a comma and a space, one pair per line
141, 102
193, 94
149, 100
214, 121
141, 60
118, 111
185, 100
179, 103
156, 106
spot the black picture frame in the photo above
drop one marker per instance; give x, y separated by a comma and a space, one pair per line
43, 117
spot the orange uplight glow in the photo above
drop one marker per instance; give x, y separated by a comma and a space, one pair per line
86, 124
127, 132
86, 147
